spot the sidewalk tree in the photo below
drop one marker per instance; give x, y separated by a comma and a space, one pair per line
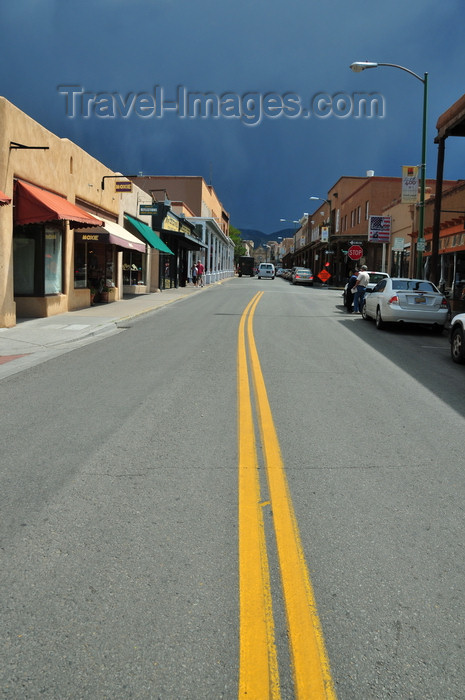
239, 248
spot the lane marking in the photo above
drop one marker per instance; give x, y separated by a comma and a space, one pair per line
258, 665
312, 675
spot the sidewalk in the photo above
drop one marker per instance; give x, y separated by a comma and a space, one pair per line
48, 337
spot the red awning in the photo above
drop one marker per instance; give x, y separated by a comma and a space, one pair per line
4, 199
34, 205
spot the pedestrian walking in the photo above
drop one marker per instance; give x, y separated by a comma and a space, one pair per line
194, 274
200, 273
360, 288
349, 297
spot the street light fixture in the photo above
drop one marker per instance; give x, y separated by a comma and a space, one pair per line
359, 66
327, 201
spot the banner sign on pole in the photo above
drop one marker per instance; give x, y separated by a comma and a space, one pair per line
409, 184
379, 229
325, 234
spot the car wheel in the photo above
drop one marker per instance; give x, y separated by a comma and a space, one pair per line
364, 312
457, 346
379, 320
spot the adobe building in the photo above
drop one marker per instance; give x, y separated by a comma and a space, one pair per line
62, 234
445, 217
342, 220
200, 198
195, 204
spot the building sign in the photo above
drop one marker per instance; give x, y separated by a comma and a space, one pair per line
379, 229
170, 223
185, 229
82, 237
409, 184
398, 244
148, 209
123, 186
325, 234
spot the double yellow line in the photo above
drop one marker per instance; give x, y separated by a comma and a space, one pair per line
258, 672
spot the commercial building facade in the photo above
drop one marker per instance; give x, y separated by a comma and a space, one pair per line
73, 232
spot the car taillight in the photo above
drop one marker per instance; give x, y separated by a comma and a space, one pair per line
444, 304
394, 299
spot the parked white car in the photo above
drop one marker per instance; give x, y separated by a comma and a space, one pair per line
375, 277
402, 299
457, 338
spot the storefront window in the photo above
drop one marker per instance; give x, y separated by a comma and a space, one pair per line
133, 267
53, 261
37, 260
93, 265
80, 266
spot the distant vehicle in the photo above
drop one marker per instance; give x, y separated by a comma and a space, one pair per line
302, 275
246, 265
395, 300
457, 339
266, 270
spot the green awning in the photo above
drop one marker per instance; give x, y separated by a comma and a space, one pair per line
150, 236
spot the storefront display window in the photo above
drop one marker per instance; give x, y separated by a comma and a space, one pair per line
53, 261
38, 260
93, 266
133, 267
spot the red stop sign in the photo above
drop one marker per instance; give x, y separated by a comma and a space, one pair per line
355, 252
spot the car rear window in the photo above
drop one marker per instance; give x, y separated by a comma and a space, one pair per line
413, 286
376, 277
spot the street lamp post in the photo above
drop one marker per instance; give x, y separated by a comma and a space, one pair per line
357, 67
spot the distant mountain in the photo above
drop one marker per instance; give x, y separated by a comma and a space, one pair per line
259, 238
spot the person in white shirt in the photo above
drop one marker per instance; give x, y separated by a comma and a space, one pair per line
360, 288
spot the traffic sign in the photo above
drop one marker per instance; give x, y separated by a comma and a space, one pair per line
324, 275
355, 252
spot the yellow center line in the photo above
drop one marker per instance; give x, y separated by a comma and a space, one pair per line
258, 675
312, 676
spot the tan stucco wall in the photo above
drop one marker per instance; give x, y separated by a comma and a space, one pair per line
66, 170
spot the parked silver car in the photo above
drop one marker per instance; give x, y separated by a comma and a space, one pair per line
301, 275
402, 299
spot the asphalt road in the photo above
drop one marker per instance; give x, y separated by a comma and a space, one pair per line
119, 502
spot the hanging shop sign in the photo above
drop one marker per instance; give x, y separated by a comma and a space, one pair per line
170, 223
123, 186
148, 208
